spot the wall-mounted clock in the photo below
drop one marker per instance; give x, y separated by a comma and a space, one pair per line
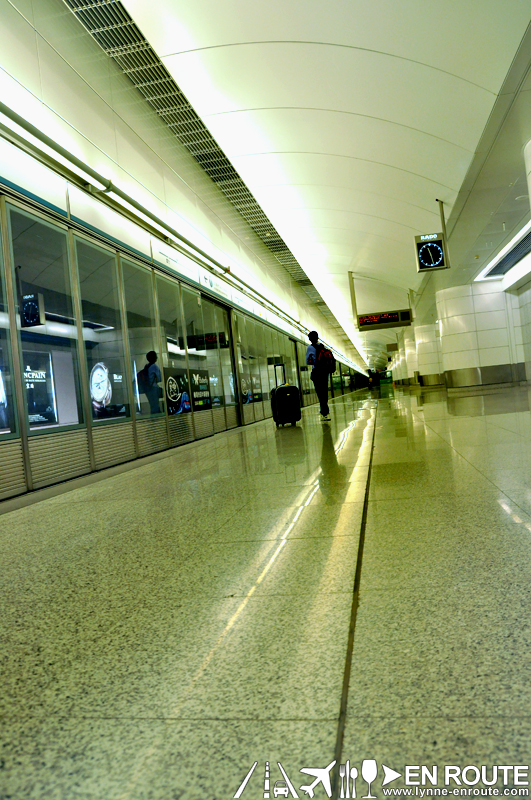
430, 251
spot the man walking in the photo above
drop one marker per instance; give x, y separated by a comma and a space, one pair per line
320, 375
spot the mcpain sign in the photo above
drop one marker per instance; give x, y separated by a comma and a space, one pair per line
417, 781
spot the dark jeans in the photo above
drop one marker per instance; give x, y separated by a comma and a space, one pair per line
321, 387
153, 399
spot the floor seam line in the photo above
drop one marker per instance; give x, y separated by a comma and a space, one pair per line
338, 750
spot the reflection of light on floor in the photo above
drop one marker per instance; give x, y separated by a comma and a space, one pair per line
304, 499
508, 510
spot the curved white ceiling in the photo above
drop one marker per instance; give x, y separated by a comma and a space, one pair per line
346, 119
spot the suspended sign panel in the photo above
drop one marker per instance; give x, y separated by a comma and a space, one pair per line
430, 252
384, 319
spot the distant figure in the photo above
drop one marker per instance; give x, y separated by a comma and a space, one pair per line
319, 374
149, 381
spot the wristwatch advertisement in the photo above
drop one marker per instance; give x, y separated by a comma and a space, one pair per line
100, 386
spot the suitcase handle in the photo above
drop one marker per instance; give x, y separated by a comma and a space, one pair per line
283, 373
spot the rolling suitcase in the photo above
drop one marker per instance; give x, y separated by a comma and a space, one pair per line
285, 401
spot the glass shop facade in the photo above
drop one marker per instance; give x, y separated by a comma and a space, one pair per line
105, 357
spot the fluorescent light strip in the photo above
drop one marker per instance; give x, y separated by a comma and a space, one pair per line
503, 252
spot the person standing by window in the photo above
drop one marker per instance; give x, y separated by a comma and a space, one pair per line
152, 378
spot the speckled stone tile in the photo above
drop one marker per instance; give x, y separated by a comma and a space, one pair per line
153, 664
69, 758
323, 564
87, 758
397, 740
312, 521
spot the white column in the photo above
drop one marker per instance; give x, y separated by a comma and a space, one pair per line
411, 354
428, 348
478, 335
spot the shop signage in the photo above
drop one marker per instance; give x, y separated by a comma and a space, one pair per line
201, 399
177, 391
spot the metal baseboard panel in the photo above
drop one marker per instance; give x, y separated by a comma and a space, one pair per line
181, 429
113, 444
12, 478
152, 435
258, 411
218, 417
231, 414
203, 424
267, 409
435, 379
58, 457
248, 414
483, 376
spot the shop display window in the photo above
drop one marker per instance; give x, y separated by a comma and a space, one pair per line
213, 364
253, 336
175, 373
143, 340
242, 354
7, 417
48, 333
102, 331
197, 352
227, 367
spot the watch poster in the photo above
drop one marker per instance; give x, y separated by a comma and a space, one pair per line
177, 391
201, 399
38, 378
32, 310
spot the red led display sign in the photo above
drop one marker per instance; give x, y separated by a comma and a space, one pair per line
378, 319
384, 319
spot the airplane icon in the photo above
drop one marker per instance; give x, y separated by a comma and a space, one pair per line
321, 776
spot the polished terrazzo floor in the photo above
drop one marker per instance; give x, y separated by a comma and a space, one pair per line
165, 628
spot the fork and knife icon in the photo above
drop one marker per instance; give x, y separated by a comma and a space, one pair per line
350, 773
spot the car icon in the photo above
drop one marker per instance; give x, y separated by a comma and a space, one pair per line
280, 788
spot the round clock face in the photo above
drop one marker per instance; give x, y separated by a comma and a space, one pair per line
100, 385
431, 254
31, 313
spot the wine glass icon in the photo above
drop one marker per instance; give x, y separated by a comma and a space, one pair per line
369, 771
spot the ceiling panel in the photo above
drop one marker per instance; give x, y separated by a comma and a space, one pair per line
457, 37
342, 79
345, 120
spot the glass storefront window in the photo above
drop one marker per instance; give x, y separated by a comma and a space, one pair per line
48, 333
197, 353
275, 357
242, 354
7, 417
261, 346
213, 364
142, 330
227, 367
175, 372
102, 331
254, 364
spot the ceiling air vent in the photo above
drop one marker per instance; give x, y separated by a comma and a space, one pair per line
513, 257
